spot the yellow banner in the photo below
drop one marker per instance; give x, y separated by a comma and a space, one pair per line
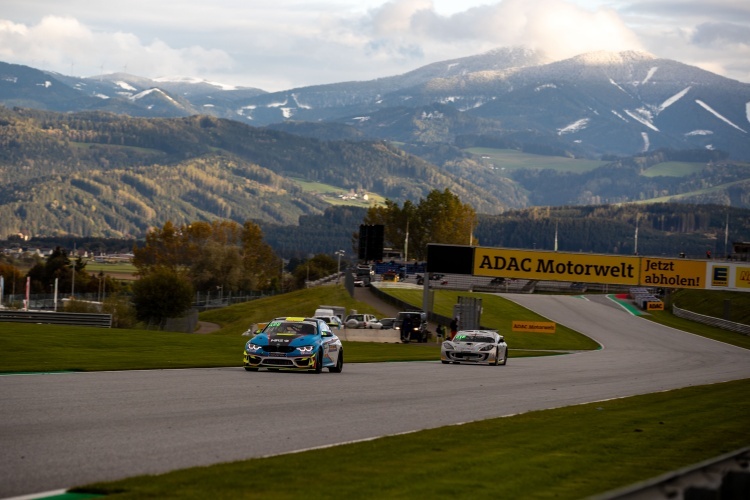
678, 273
553, 266
533, 326
742, 277
655, 306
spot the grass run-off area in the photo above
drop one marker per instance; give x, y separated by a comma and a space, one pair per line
507, 160
571, 452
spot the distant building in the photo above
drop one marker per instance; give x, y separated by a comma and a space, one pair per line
741, 250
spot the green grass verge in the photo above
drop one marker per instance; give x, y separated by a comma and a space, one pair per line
49, 348
237, 318
572, 452
666, 318
712, 303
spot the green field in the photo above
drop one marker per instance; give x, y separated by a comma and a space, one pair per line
109, 268
674, 169
331, 194
507, 160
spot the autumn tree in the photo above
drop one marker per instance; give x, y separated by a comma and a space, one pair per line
261, 265
163, 248
14, 281
58, 266
440, 218
212, 254
163, 293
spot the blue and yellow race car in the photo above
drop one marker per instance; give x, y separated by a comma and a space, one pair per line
295, 343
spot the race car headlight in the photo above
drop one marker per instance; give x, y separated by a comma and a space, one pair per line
448, 346
252, 348
306, 349
486, 348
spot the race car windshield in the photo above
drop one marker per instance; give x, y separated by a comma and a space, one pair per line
473, 338
283, 328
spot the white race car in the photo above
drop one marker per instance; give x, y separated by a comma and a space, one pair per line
475, 346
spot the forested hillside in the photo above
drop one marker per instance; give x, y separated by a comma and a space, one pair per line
97, 174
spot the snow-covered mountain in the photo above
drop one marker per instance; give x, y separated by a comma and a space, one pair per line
596, 103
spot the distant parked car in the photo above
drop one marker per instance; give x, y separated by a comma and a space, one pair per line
333, 321
362, 321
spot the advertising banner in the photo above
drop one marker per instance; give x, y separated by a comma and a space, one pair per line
553, 266
546, 265
742, 277
533, 326
655, 305
676, 273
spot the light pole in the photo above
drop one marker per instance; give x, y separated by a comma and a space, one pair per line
339, 253
73, 283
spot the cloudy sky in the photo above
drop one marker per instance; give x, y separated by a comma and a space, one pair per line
283, 44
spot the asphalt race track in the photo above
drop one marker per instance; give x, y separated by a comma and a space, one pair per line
63, 430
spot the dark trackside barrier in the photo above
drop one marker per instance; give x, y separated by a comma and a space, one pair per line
724, 477
57, 318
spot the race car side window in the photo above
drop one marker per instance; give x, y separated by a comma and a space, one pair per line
325, 330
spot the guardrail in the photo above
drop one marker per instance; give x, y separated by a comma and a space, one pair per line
710, 320
57, 318
726, 476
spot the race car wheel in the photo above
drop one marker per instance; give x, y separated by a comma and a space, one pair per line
319, 361
250, 369
339, 364
505, 358
497, 357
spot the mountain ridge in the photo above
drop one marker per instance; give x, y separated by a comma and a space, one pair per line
598, 103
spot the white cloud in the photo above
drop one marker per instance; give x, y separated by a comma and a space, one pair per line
65, 45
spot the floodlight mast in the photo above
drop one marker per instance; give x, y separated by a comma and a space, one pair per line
339, 253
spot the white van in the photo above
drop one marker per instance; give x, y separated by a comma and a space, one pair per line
323, 312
